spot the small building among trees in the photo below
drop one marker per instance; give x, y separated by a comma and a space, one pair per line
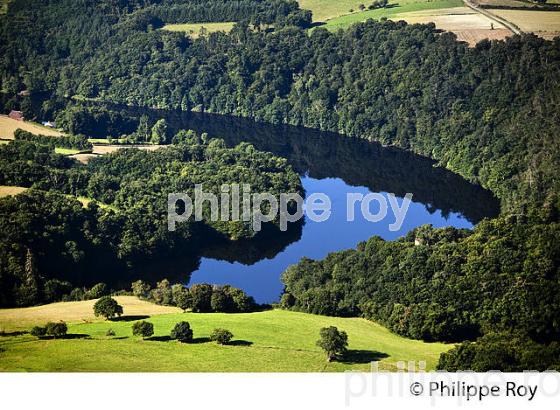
16, 115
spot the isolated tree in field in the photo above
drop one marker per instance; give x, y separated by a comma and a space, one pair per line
333, 341
143, 328
107, 307
56, 329
140, 289
182, 332
221, 336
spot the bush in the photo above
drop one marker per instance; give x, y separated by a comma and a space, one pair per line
221, 336
143, 328
110, 332
182, 332
333, 342
38, 331
56, 329
107, 307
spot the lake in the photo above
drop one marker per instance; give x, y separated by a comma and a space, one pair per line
334, 165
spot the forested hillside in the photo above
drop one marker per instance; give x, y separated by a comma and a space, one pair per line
489, 113
47, 234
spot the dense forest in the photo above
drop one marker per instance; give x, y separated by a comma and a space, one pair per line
490, 114
126, 223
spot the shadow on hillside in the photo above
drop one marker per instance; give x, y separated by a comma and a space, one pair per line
120, 338
362, 356
317, 24
240, 343
129, 318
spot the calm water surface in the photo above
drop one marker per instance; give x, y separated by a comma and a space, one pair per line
334, 165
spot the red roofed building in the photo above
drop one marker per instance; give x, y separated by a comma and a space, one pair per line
16, 115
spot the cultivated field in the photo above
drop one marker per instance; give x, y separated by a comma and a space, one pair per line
274, 341
512, 3
467, 24
195, 29
397, 7
543, 23
449, 15
8, 127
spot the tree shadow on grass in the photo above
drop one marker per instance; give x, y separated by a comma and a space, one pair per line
240, 343
362, 356
68, 336
197, 340
159, 338
16, 333
129, 318
120, 338
76, 336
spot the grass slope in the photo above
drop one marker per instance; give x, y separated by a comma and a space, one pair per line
271, 341
9, 125
398, 7
6, 190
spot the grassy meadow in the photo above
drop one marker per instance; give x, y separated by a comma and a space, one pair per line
194, 29
269, 341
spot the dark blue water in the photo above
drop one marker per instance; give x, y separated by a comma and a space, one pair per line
334, 165
262, 279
